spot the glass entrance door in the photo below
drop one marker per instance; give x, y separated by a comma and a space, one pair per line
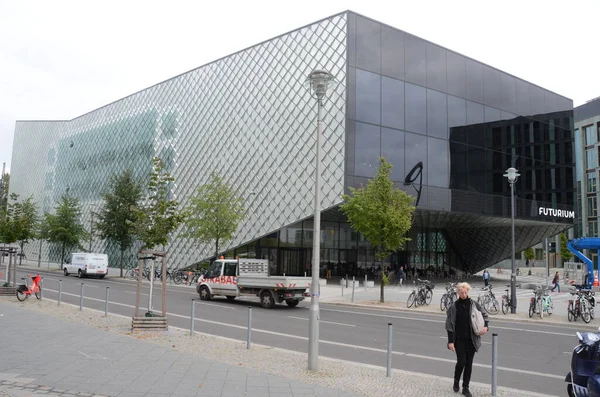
292, 261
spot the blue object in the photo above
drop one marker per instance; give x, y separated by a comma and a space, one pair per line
578, 244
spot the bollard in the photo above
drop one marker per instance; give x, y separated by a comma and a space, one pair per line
365, 282
106, 303
352, 289
346, 280
304, 274
494, 364
59, 291
81, 298
192, 317
249, 334
342, 284
42, 288
389, 351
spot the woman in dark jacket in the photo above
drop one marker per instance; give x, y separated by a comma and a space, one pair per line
461, 338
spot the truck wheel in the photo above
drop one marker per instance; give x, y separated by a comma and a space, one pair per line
292, 302
204, 293
66, 272
266, 300
102, 277
80, 274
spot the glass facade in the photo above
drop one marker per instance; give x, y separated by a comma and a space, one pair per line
250, 118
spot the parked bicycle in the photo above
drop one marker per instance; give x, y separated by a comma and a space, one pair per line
422, 295
589, 295
578, 307
449, 296
541, 303
25, 291
506, 301
487, 300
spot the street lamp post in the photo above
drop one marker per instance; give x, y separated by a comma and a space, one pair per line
318, 81
512, 174
91, 231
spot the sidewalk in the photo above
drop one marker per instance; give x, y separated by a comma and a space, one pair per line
51, 350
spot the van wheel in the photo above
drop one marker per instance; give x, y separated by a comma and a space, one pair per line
204, 293
266, 300
292, 302
79, 273
102, 276
66, 272
230, 298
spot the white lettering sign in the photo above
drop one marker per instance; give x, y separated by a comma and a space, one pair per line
556, 213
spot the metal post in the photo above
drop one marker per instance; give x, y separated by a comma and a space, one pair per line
192, 317
106, 303
513, 276
494, 364
249, 334
352, 289
342, 284
365, 282
91, 231
40, 254
81, 298
547, 261
389, 351
313, 335
59, 291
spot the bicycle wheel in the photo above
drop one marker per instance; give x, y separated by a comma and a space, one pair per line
585, 312
21, 296
504, 305
411, 299
570, 316
177, 279
38, 292
428, 296
443, 302
493, 307
531, 309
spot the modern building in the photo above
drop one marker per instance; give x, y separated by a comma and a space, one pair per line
250, 118
587, 136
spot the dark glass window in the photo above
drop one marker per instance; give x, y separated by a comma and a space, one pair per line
392, 54
491, 86
491, 114
415, 151
368, 97
475, 113
392, 103
458, 165
368, 44
474, 78
437, 162
392, 148
416, 108
456, 74
523, 107
367, 149
457, 111
508, 95
415, 60
436, 67
437, 116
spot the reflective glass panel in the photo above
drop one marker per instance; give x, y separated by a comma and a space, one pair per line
392, 148
437, 114
437, 161
368, 149
368, 97
416, 150
392, 106
416, 108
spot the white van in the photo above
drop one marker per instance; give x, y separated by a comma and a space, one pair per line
87, 264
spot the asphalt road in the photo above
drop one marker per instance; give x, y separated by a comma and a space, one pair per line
531, 357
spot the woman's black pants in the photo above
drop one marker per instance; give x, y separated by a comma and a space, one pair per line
465, 351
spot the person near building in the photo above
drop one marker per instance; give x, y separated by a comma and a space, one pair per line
486, 278
400, 276
555, 282
461, 338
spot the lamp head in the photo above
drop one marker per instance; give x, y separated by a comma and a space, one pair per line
512, 174
319, 81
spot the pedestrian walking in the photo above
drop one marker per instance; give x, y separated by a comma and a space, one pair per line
461, 338
486, 278
555, 282
400, 276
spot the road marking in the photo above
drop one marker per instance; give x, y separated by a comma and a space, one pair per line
323, 321
214, 304
356, 347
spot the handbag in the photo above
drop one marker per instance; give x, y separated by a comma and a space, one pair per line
477, 322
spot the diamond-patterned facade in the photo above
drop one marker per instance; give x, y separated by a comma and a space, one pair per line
248, 117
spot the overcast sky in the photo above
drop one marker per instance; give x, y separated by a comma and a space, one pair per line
60, 59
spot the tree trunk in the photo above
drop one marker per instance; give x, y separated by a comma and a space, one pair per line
62, 256
381, 298
122, 253
21, 256
216, 249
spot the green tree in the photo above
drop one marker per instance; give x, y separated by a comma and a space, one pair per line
4, 184
381, 213
157, 216
64, 227
20, 223
529, 254
117, 217
565, 254
214, 213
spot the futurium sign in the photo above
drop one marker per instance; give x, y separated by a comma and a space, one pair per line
556, 213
